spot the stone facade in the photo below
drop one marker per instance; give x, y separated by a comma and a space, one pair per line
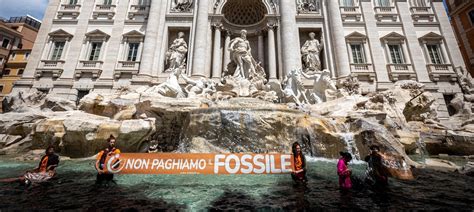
462, 19
17, 37
85, 45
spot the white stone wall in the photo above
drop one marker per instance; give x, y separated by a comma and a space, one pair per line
372, 25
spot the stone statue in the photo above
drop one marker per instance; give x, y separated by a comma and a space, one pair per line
171, 87
293, 88
304, 6
176, 54
310, 53
202, 87
324, 88
181, 5
241, 55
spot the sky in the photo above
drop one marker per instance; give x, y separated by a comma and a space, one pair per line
11, 8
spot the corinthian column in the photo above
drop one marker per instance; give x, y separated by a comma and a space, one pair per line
217, 54
271, 52
226, 50
338, 38
149, 46
290, 38
200, 39
261, 54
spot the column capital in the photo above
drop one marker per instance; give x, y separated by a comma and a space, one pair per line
218, 26
270, 26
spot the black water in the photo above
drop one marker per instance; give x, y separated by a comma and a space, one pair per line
75, 190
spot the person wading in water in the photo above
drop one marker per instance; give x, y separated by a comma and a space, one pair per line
102, 175
299, 172
344, 172
376, 175
44, 172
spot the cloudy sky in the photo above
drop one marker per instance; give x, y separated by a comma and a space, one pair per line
35, 8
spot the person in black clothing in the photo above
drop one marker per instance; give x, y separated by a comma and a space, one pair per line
44, 171
376, 175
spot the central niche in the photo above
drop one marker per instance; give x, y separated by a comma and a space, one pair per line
244, 12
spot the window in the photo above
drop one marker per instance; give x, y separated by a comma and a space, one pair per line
396, 54
142, 2
420, 3
20, 46
1, 88
6, 72
5, 43
347, 3
471, 17
132, 51
358, 55
383, 3
72, 2
434, 52
20, 72
58, 50
27, 55
95, 51
107, 2
12, 56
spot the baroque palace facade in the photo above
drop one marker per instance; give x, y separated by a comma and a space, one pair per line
104, 45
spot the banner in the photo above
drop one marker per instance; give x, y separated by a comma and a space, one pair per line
190, 163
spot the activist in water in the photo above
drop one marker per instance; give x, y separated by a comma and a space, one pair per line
299, 173
103, 176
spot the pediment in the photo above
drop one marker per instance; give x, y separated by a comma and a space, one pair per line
60, 33
393, 36
432, 36
134, 34
356, 36
97, 34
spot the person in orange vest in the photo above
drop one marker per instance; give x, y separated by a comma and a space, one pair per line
111, 150
45, 170
299, 172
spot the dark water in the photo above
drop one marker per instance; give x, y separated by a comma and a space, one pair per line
75, 190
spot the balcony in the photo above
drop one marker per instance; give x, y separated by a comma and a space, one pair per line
386, 14
69, 11
422, 14
351, 14
126, 67
94, 68
138, 12
401, 72
363, 70
440, 72
104, 12
53, 67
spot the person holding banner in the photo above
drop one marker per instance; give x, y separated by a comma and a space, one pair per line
344, 172
102, 175
299, 171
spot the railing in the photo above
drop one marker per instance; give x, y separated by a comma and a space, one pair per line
104, 7
421, 10
86, 64
139, 8
128, 65
361, 67
397, 71
56, 64
70, 7
384, 9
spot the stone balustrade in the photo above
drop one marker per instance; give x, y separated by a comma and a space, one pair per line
401, 72
363, 70
439, 72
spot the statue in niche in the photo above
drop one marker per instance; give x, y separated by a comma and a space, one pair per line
310, 53
181, 5
324, 88
176, 54
304, 6
241, 54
